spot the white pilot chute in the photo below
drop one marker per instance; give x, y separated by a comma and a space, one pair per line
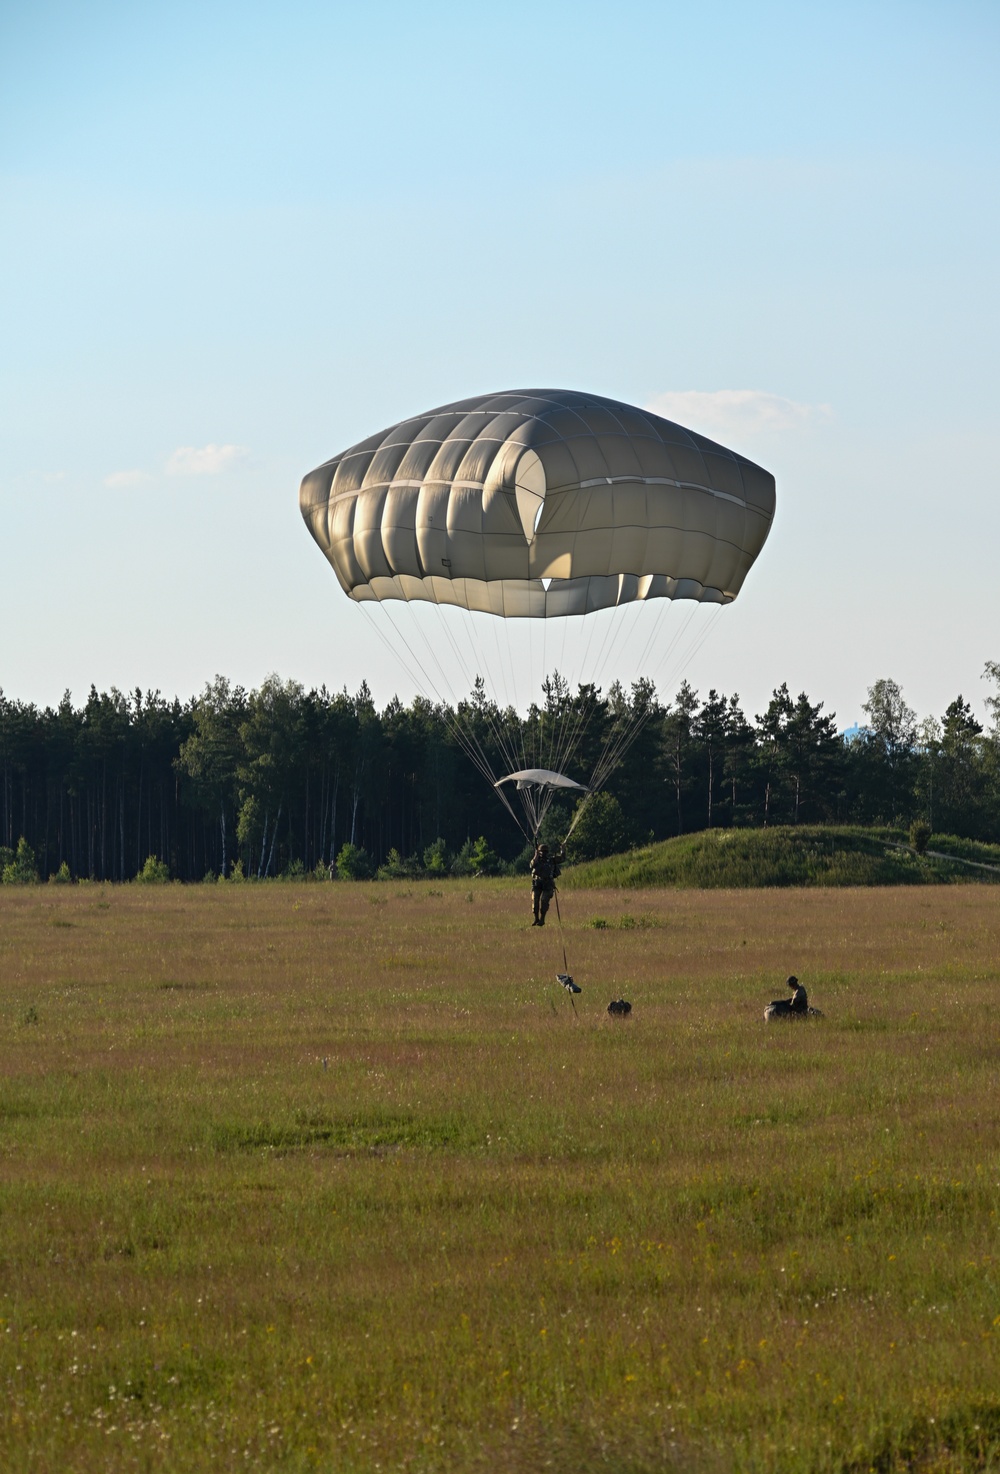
536, 788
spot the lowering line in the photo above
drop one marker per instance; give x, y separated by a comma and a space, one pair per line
565, 977
562, 933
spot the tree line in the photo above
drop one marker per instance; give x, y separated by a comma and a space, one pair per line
281, 781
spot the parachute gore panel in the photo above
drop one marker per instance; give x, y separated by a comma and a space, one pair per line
539, 503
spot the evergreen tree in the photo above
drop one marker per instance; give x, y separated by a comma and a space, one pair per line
961, 772
771, 752
678, 748
738, 764
710, 729
812, 760
211, 755
890, 747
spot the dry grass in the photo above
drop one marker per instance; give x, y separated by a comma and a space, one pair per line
332, 1177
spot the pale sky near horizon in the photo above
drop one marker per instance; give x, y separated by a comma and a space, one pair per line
238, 238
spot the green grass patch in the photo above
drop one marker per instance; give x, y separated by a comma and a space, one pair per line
348, 1134
626, 922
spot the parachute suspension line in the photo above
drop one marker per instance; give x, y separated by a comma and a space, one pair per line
616, 750
522, 736
558, 728
563, 729
675, 648
611, 625
508, 722
623, 638
562, 939
584, 664
506, 652
466, 733
547, 717
605, 767
578, 815
531, 667
571, 730
555, 716
576, 725
444, 625
492, 623
556, 719
507, 805
701, 636
625, 630
515, 738
468, 741
539, 807
620, 746
429, 684
562, 649
498, 720
569, 722
542, 729
442, 687
656, 627
514, 706
460, 664
710, 625
619, 739
617, 744
545, 646
501, 738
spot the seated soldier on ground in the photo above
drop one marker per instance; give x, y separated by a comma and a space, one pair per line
795, 1007
799, 1001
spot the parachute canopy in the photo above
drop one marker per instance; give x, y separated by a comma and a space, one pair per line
540, 778
537, 787
539, 503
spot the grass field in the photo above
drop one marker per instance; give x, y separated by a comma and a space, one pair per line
332, 1177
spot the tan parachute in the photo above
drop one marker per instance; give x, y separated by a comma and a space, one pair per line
536, 504
539, 503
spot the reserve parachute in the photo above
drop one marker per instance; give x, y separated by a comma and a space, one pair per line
536, 505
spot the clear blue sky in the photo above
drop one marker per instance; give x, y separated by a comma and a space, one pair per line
237, 238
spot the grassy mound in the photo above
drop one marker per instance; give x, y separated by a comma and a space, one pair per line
811, 855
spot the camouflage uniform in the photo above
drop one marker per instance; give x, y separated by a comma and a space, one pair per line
544, 873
